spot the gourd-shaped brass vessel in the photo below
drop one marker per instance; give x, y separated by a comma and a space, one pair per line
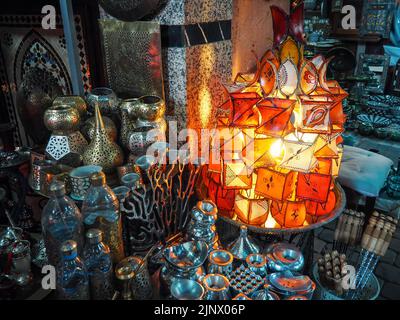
127, 107
102, 151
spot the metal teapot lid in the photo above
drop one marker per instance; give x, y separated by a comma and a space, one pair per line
243, 246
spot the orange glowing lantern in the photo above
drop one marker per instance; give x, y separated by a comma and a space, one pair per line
313, 186
235, 174
225, 200
277, 184
289, 214
251, 211
276, 159
320, 209
243, 109
275, 116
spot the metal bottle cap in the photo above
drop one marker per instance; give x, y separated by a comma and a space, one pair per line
124, 271
98, 179
94, 236
57, 188
69, 249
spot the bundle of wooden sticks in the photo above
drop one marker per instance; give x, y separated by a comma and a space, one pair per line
331, 270
348, 230
378, 233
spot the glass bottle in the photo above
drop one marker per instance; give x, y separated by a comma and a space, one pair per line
61, 221
72, 277
99, 266
100, 210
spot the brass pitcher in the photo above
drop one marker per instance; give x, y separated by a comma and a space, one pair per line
102, 151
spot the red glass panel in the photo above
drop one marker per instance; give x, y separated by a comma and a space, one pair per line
313, 186
275, 117
244, 111
289, 214
276, 185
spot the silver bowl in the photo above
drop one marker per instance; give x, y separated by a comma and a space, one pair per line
187, 256
216, 286
220, 261
257, 263
185, 289
284, 256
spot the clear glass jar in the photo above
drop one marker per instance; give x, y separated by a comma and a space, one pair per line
72, 276
100, 210
61, 221
99, 266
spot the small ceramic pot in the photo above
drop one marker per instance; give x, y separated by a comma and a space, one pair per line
151, 108
257, 263
105, 98
124, 170
62, 119
122, 192
205, 212
185, 289
216, 286
79, 179
144, 163
220, 261
75, 101
131, 180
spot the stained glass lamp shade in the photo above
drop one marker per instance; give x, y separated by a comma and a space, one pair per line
290, 119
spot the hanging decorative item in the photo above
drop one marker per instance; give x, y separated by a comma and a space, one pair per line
288, 119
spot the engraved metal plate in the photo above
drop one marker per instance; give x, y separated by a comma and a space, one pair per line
132, 52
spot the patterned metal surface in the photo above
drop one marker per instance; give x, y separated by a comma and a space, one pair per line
374, 120
133, 57
245, 281
26, 46
132, 10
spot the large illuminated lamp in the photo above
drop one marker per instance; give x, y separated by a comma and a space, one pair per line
278, 137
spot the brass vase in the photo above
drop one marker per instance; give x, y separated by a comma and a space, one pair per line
88, 128
102, 151
127, 108
75, 101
